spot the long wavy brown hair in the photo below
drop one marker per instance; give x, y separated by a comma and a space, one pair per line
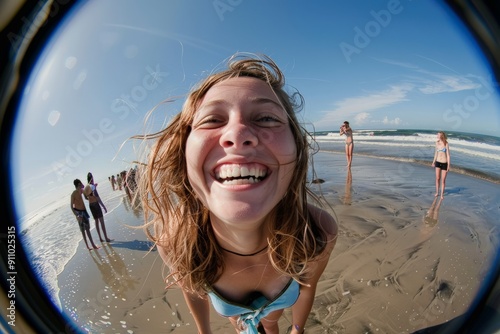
444, 137
179, 223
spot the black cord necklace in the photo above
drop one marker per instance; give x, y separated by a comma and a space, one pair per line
257, 252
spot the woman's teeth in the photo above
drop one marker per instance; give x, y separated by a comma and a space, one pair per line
234, 174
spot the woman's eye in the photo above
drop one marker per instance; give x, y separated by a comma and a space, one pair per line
208, 122
269, 120
211, 120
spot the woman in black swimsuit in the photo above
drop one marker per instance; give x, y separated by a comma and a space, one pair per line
441, 161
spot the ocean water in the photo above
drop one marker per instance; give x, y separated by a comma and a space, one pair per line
472, 154
42, 231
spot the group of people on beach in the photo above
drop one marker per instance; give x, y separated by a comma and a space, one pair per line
116, 183
126, 181
95, 204
441, 161
227, 202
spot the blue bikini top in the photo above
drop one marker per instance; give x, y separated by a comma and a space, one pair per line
441, 149
250, 314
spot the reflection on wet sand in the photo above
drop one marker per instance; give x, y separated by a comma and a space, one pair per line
133, 204
431, 217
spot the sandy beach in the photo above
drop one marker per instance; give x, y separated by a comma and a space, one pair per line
404, 260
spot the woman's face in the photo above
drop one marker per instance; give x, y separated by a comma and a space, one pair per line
240, 152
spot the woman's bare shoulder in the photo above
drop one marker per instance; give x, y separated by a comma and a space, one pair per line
325, 220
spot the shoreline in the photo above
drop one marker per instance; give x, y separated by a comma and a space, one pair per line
401, 263
427, 163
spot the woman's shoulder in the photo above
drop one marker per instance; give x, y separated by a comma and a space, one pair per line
324, 220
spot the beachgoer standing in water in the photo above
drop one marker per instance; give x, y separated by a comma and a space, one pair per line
346, 130
441, 161
81, 214
225, 193
119, 181
95, 204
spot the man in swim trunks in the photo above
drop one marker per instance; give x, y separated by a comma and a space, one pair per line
95, 204
81, 213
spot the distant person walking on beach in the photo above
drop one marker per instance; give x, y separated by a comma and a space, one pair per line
113, 181
119, 181
346, 130
95, 204
441, 161
81, 214
226, 197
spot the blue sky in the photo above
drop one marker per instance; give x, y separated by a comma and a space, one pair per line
379, 64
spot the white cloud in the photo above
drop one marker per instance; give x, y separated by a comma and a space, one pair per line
413, 78
395, 121
361, 118
435, 82
358, 106
446, 84
377, 100
396, 63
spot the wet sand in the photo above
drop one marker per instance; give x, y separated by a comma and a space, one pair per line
404, 260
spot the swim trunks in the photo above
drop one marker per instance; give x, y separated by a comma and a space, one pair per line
260, 307
442, 165
83, 219
95, 208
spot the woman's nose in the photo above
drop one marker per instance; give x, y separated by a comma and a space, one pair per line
238, 135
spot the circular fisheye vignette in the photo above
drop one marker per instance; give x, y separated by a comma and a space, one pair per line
24, 34
29, 290
482, 19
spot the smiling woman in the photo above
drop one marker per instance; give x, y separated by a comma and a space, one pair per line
248, 117
78, 77
238, 121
